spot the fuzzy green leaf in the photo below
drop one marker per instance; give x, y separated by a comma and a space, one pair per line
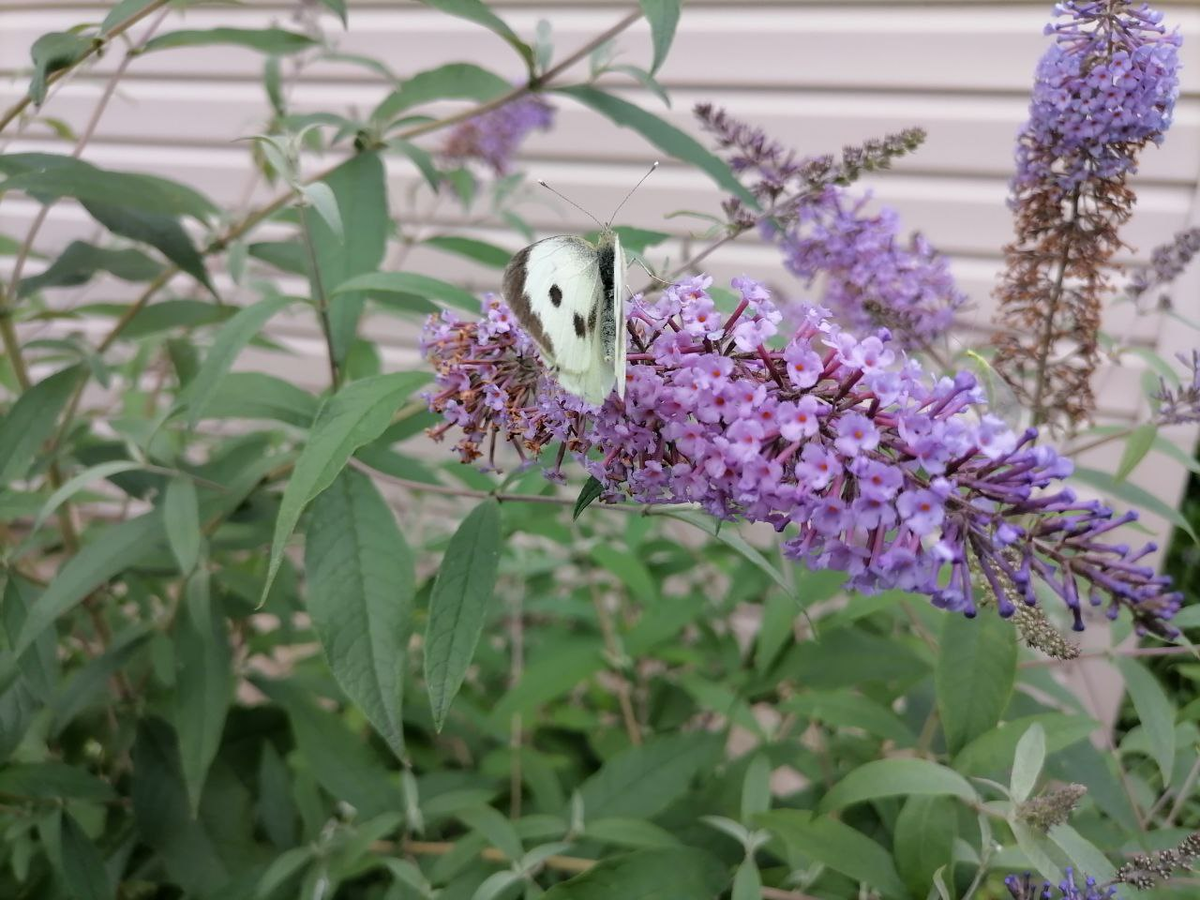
459, 605
354, 416
360, 592
976, 670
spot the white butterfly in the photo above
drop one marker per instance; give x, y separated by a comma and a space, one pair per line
569, 296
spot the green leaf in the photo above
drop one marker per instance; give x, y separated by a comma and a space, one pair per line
646, 875
320, 197
163, 232
181, 519
480, 251
896, 777
976, 669
1135, 496
747, 882
81, 261
233, 336
992, 753
274, 41
459, 605
924, 840
342, 762
51, 780
116, 548
53, 176
496, 829
288, 256
1027, 762
1035, 846
663, 16
81, 864
1082, 853
422, 159
846, 709
642, 781
457, 81
591, 489
31, 421
631, 571
354, 416
549, 674
662, 135
730, 537
125, 9
359, 187
1155, 711
360, 593
164, 822
412, 283
338, 8
89, 684
836, 845
256, 395
203, 684
477, 12
756, 788
625, 832
1136, 448
52, 53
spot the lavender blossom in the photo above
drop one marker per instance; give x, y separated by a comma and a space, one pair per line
872, 467
872, 276
1180, 406
1026, 888
1166, 264
1104, 90
494, 136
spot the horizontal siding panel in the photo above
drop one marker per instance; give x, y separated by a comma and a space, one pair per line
967, 135
959, 215
987, 48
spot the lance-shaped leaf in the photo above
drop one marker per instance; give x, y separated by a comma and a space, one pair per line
354, 416
274, 41
476, 11
975, 673
81, 261
203, 684
360, 590
664, 136
52, 53
663, 16
459, 604
32, 420
358, 191
233, 336
647, 875
413, 284
454, 81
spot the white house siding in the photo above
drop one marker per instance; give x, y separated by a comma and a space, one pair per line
815, 75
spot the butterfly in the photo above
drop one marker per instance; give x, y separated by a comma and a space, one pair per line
568, 294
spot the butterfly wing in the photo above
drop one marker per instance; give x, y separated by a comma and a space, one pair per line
555, 290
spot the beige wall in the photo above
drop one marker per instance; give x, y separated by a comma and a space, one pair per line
815, 75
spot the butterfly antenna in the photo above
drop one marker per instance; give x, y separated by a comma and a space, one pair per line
649, 172
572, 202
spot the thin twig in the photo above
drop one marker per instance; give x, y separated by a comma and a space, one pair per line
89, 132
615, 654
1185, 794
99, 44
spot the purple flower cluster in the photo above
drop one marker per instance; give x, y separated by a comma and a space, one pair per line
1026, 888
872, 277
1106, 87
494, 137
873, 468
1166, 264
1181, 405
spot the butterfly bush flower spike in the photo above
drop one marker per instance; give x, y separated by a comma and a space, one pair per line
494, 137
863, 461
872, 276
1104, 90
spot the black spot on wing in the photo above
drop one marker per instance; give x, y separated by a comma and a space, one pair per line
517, 298
555, 295
580, 326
